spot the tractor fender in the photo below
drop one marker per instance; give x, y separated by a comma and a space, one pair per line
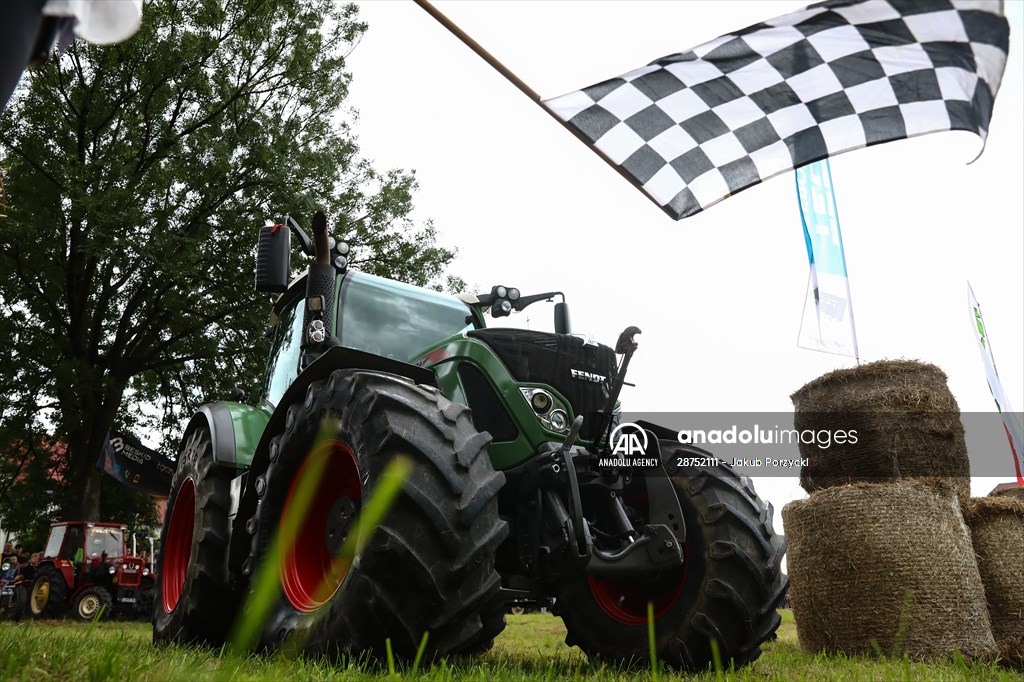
334, 358
235, 430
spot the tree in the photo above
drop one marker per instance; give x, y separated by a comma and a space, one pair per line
31, 472
136, 176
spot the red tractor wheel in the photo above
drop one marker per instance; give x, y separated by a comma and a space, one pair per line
726, 592
626, 600
193, 600
310, 575
429, 565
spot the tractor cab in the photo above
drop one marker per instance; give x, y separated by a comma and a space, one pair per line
80, 541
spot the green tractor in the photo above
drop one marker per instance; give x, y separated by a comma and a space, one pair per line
523, 488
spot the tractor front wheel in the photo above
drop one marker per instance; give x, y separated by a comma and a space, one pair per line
429, 565
724, 596
193, 599
92, 603
49, 595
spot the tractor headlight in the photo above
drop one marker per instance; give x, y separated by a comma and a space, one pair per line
112, 570
145, 571
6, 567
550, 410
541, 402
513, 294
501, 291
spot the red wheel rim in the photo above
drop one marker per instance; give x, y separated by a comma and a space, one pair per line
626, 600
311, 571
178, 548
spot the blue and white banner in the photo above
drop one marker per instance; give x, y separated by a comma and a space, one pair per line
827, 322
1014, 433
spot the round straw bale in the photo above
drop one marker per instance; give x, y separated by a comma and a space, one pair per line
906, 421
997, 531
885, 568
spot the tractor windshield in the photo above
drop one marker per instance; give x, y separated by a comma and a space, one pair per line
104, 540
55, 541
396, 320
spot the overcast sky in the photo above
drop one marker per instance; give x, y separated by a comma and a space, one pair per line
718, 296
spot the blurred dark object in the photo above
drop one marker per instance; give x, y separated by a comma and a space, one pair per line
23, 35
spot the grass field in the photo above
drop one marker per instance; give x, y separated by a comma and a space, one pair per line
531, 648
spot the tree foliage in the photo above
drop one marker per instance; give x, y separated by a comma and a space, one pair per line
31, 474
136, 176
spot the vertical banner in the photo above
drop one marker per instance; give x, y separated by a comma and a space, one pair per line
1014, 433
827, 322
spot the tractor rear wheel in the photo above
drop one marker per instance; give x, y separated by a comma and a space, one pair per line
726, 592
194, 602
429, 565
49, 595
92, 603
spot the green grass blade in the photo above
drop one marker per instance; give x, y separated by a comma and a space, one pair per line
716, 659
391, 658
655, 671
419, 653
267, 579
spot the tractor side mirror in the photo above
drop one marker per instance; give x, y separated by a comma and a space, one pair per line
562, 323
273, 255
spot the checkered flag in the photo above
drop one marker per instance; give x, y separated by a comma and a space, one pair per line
696, 127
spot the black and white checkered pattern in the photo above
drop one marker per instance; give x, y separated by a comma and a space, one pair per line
694, 128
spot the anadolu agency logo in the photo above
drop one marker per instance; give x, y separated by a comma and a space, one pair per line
629, 444
629, 448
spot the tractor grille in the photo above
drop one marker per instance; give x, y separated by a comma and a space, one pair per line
545, 358
130, 573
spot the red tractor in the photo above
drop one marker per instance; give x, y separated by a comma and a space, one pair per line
85, 567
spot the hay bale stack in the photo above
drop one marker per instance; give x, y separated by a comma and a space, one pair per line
907, 423
997, 530
885, 568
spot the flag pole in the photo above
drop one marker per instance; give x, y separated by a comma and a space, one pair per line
519, 83
479, 49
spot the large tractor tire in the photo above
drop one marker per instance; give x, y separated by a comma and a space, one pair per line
49, 595
428, 567
493, 618
726, 592
193, 600
92, 603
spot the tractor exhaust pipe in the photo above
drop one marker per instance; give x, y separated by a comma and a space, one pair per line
625, 346
319, 294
